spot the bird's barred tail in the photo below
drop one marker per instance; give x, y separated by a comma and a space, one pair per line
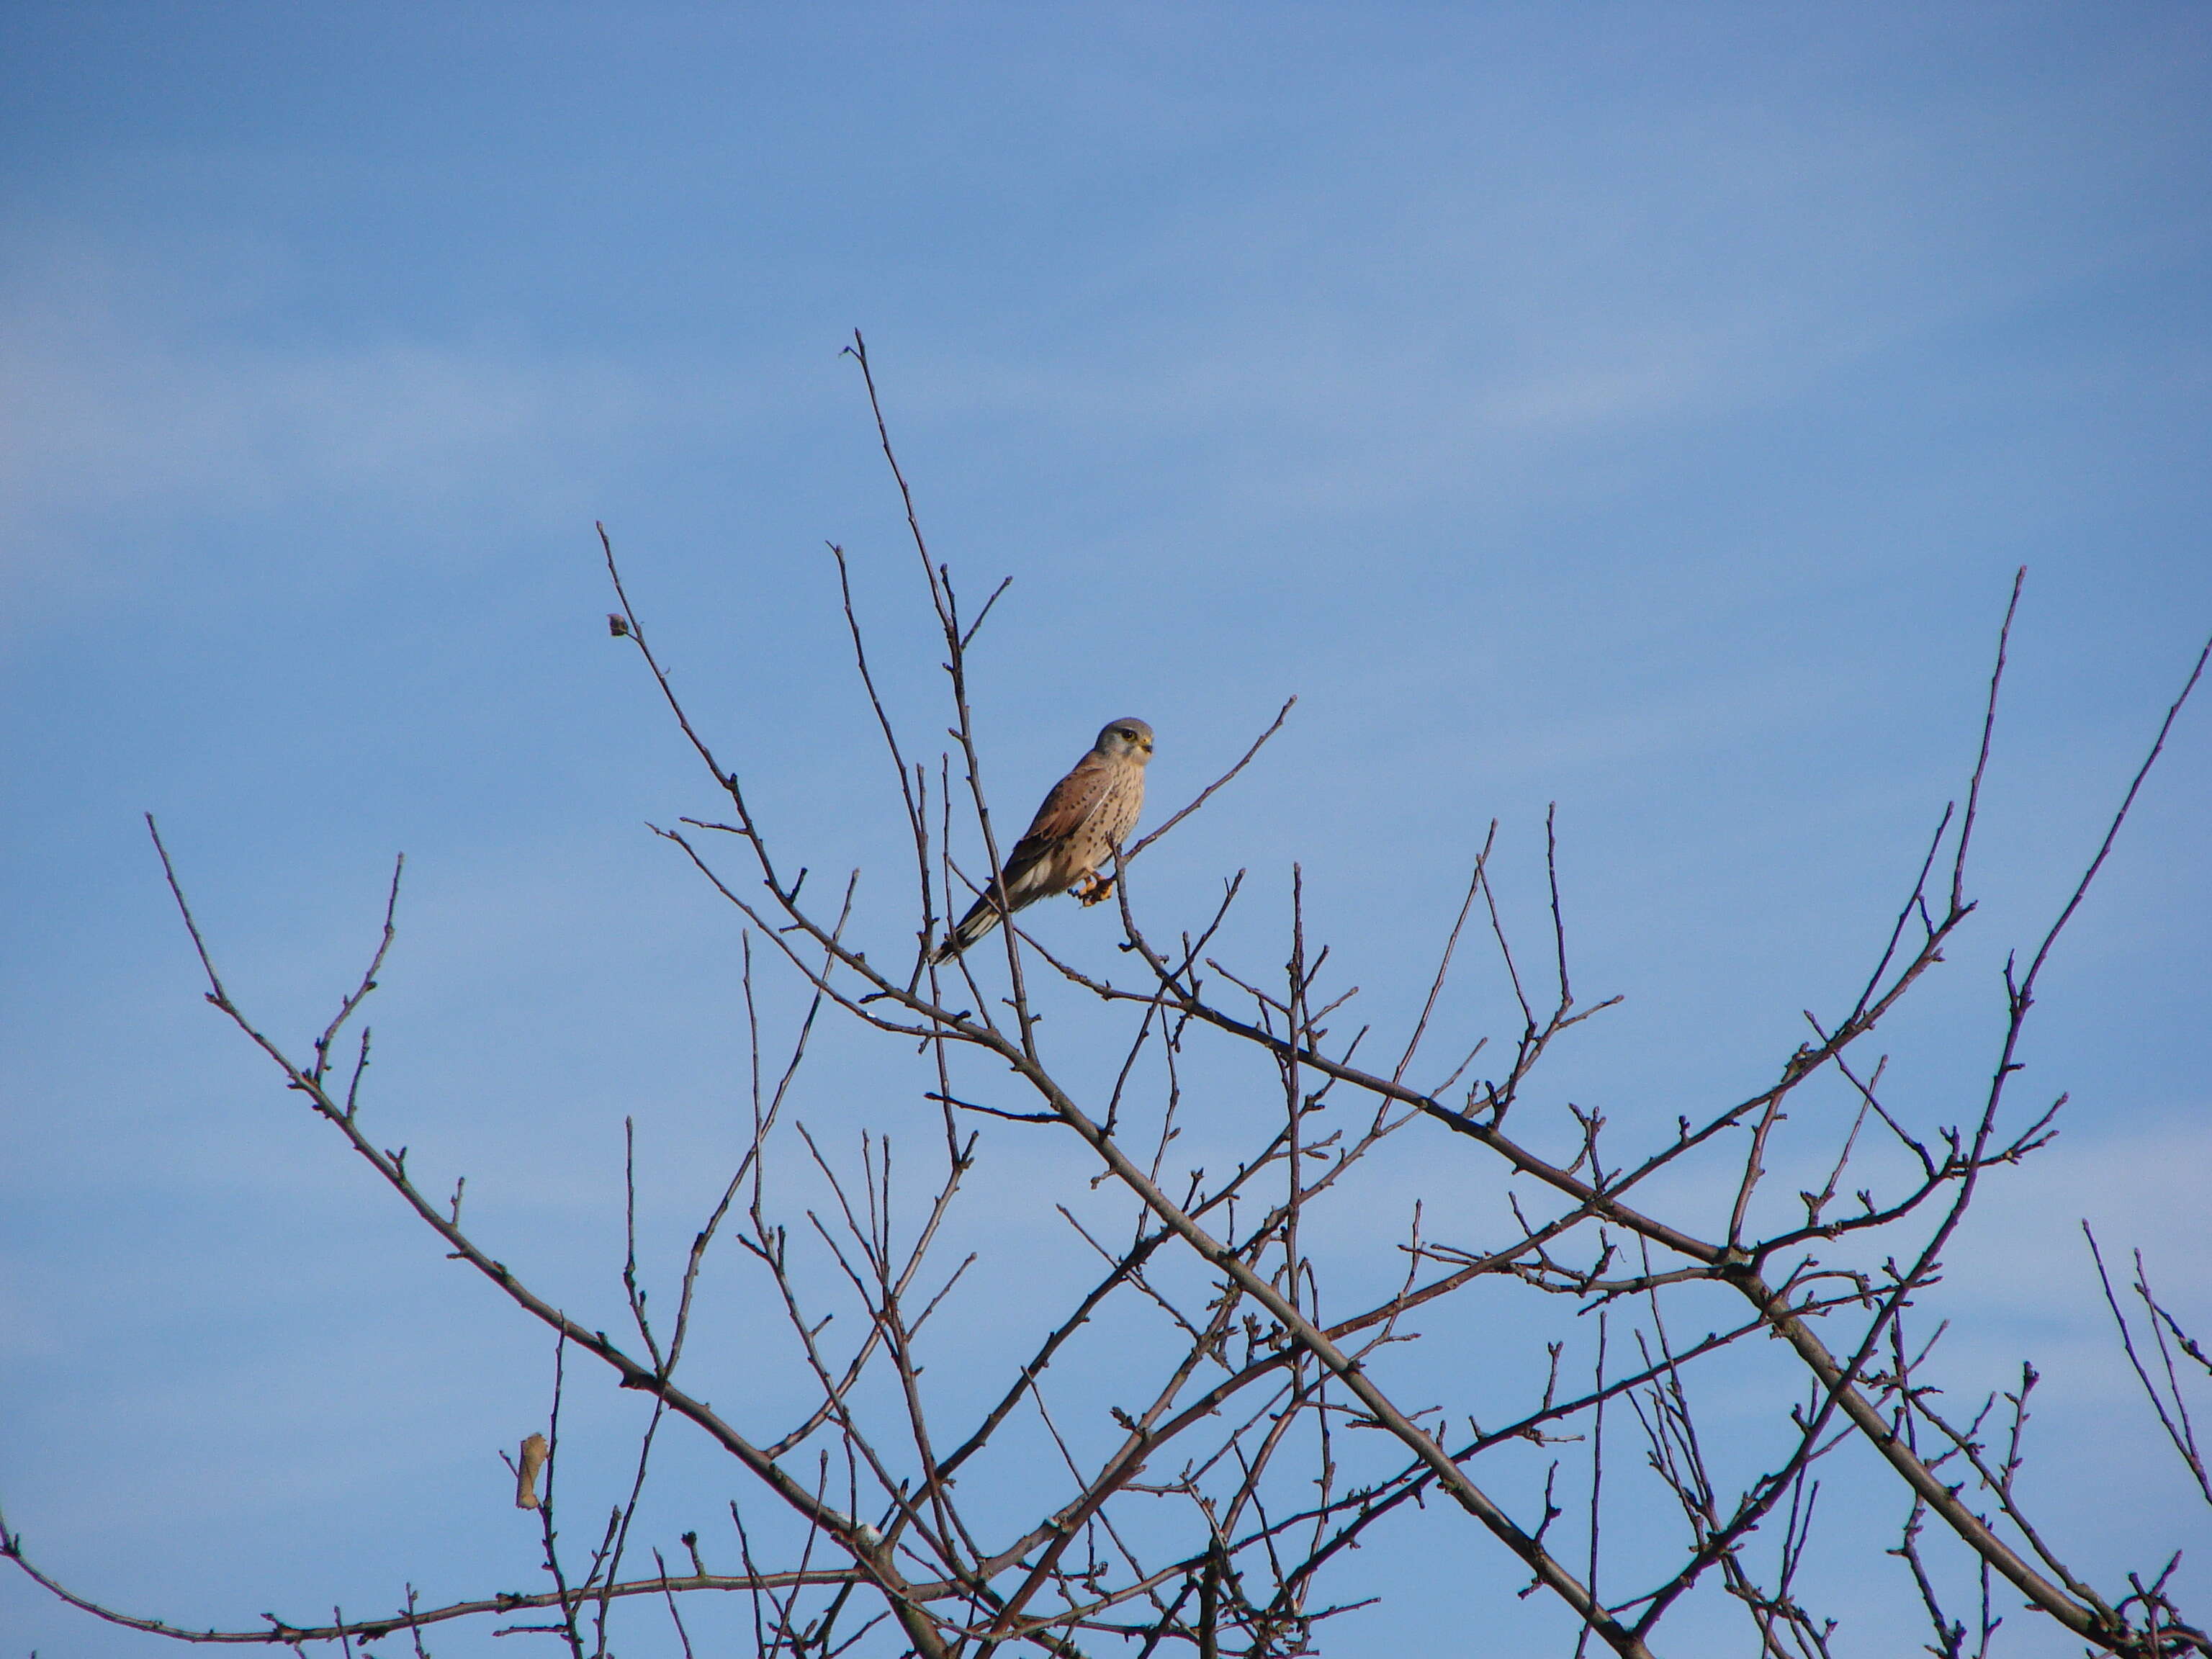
979, 921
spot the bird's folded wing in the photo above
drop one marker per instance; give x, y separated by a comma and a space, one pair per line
1074, 800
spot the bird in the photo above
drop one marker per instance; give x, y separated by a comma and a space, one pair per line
1082, 822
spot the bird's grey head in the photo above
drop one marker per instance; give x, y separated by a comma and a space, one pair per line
1130, 738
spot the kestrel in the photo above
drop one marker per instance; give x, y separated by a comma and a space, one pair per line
1082, 822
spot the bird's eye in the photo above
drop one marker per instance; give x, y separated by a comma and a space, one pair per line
1128, 736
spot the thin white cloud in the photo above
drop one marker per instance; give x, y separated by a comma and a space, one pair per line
126, 416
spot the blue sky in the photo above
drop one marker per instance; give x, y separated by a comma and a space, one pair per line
1638, 408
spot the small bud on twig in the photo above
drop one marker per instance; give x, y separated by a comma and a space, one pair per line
617, 624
